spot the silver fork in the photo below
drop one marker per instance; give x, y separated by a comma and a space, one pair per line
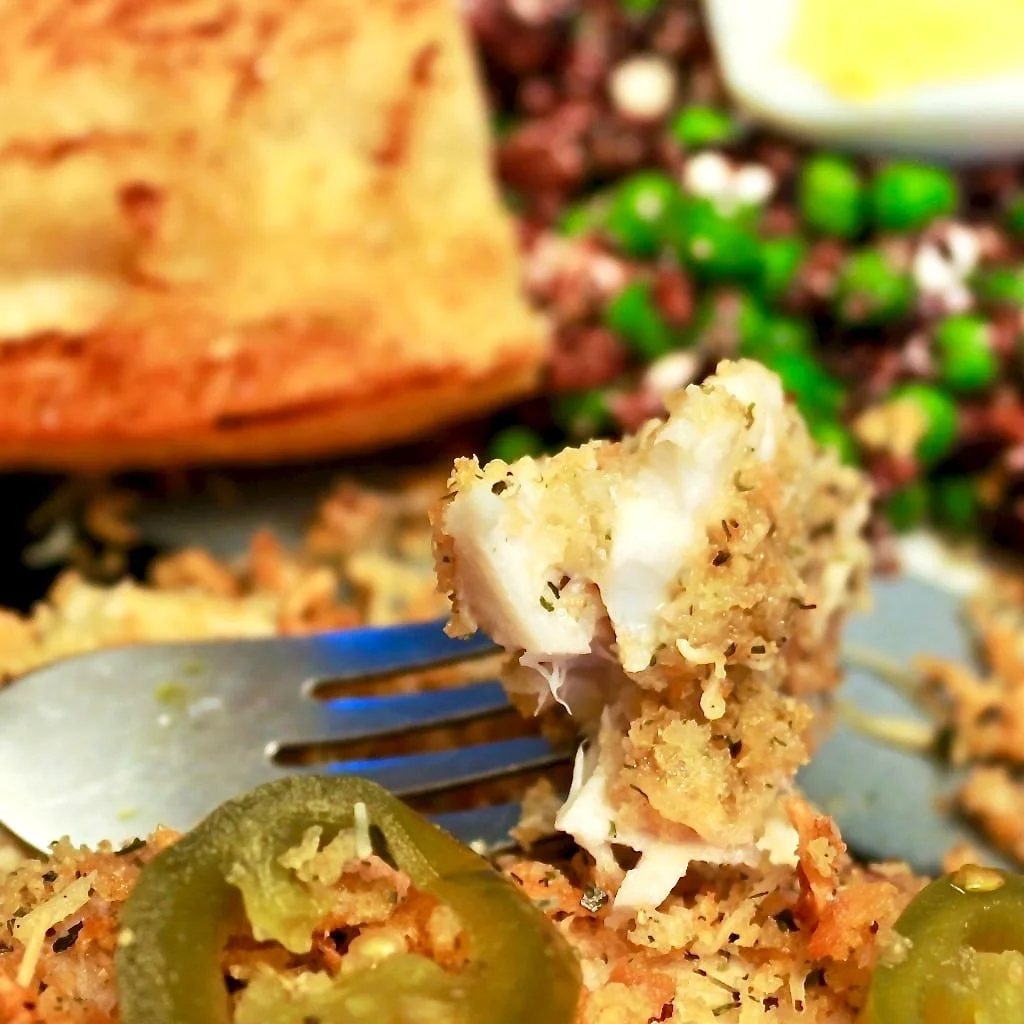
113, 743
110, 744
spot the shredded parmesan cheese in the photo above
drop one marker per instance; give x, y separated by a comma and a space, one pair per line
361, 824
31, 930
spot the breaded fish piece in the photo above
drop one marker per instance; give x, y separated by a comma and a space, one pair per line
247, 230
676, 593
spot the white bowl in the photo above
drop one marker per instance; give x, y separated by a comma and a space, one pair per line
965, 121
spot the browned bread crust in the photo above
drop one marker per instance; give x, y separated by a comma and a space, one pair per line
246, 230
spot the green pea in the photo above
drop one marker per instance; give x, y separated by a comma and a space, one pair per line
638, 211
581, 219
582, 414
1000, 286
941, 418
963, 346
780, 259
955, 503
514, 443
633, 315
640, 7
696, 127
870, 290
907, 196
1014, 215
907, 507
778, 335
818, 395
729, 316
502, 123
832, 197
716, 244
832, 434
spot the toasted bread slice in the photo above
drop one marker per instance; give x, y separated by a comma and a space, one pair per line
247, 231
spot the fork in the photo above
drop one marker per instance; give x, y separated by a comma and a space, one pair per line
116, 742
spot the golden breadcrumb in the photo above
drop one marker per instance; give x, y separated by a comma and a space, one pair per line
74, 981
678, 592
366, 558
986, 710
994, 799
743, 944
980, 708
731, 944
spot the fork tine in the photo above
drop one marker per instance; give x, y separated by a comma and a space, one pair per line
386, 650
437, 770
347, 719
490, 827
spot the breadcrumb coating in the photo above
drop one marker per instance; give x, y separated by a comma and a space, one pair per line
994, 799
740, 944
979, 708
985, 706
678, 592
372, 910
732, 944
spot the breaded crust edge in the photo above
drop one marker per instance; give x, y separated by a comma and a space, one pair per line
247, 231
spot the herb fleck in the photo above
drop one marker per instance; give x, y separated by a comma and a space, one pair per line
786, 921
135, 844
65, 942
